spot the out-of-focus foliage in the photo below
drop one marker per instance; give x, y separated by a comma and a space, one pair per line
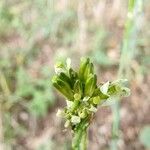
35, 33
145, 136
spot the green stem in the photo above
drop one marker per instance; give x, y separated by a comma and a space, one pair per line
127, 53
84, 140
79, 141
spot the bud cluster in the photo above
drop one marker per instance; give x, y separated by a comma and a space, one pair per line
82, 93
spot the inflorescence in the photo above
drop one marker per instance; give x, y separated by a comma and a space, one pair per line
83, 94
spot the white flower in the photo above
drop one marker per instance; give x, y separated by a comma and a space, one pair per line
93, 109
60, 113
67, 123
69, 103
75, 119
104, 88
85, 99
58, 70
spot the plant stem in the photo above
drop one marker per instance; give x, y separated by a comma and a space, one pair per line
127, 53
79, 141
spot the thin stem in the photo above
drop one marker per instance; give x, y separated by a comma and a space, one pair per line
84, 140
79, 141
127, 53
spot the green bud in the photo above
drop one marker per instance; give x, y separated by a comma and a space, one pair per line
90, 85
118, 89
82, 114
75, 105
77, 96
96, 100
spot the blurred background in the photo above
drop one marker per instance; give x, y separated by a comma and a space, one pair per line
115, 34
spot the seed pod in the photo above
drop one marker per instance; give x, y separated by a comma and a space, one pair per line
88, 71
65, 78
90, 85
84, 62
78, 87
63, 87
73, 76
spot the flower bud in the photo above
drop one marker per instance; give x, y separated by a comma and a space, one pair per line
82, 114
96, 100
77, 96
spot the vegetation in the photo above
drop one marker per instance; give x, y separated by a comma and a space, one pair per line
35, 34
